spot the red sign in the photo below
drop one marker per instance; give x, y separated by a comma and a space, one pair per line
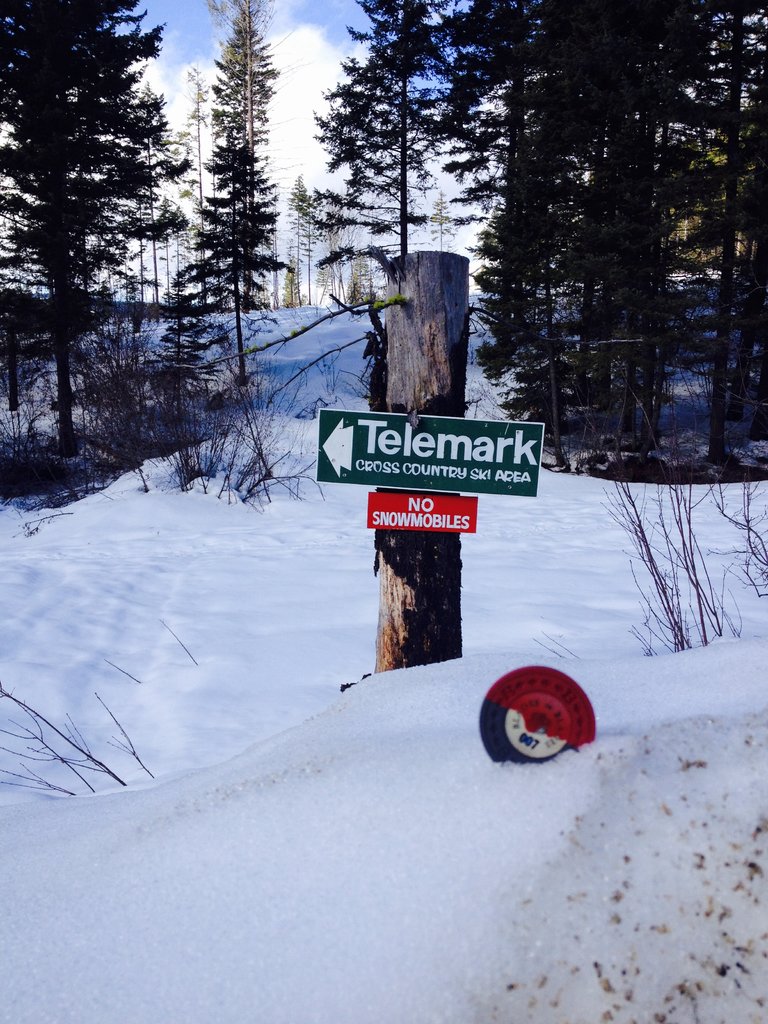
437, 512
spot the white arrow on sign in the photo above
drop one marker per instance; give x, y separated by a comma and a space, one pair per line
338, 447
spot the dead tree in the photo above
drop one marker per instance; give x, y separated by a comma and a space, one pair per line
420, 572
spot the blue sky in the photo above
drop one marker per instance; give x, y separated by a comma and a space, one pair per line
309, 40
188, 27
308, 44
190, 35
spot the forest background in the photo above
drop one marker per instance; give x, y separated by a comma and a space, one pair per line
608, 158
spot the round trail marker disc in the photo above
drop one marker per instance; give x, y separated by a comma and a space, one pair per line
533, 713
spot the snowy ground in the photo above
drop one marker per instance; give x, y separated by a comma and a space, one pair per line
311, 857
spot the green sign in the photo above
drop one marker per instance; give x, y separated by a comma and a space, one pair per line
431, 453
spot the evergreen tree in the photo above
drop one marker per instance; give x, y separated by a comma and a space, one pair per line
191, 140
156, 219
487, 78
737, 40
175, 229
187, 336
503, 159
240, 217
754, 223
75, 133
361, 286
635, 138
588, 115
302, 205
509, 164
242, 93
382, 125
291, 297
443, 231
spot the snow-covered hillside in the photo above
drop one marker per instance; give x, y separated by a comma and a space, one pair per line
311, 857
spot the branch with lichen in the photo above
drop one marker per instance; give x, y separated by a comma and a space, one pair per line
358, 309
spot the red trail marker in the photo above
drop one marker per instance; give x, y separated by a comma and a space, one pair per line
534, 713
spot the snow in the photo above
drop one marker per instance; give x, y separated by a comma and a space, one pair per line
306, 856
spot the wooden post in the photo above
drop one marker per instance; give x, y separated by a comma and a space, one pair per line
420, 572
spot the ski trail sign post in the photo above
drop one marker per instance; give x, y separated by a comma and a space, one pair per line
429, 453
420, 452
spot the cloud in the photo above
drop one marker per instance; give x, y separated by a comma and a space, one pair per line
168, 77
309, 66
308, 59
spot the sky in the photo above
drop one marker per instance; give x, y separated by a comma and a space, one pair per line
305, 856
307, 51
190, 34
309, 42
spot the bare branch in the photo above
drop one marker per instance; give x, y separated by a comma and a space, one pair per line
32, 781
682, 591
754, 527
178, 641
529, 334
123, 671
126, 744
308, 366
40, 748
356, 310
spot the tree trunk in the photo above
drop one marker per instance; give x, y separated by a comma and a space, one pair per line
756, 304
201, 205
250, 129
403, 168
64, 397
725, 297
13, 370
420, 572
242, 377
758, 430
63, 317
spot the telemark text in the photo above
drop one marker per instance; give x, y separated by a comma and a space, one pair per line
454, 447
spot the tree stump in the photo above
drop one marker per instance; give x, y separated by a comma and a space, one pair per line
420, 572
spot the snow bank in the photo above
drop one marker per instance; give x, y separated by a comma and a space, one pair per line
373, 866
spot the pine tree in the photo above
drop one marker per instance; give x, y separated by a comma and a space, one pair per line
487, 76
635, 132
737, 40
192, 141
156, 219
242, 93
443, 231
754, 220
290, 288
509, 165
302, 205
586, 114
499, 155
382, 125
76, 131
240, 217
187, 336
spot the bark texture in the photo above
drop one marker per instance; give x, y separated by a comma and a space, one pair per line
420, 572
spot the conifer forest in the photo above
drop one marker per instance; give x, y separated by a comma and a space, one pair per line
611, 156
